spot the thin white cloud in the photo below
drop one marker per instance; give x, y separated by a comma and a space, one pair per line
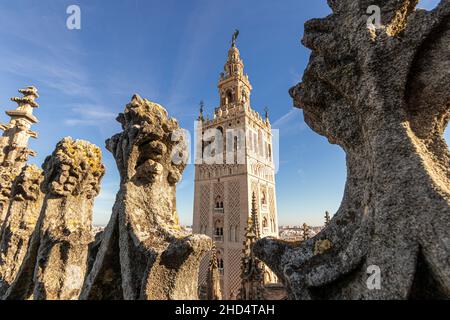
288, 117
295, 76
48, 55
290, 123
199, 28
90, 115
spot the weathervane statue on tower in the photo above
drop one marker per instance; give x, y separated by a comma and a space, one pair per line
234, 38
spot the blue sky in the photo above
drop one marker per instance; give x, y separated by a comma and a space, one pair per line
170, 52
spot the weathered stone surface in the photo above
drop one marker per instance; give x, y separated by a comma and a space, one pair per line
383, 96
145, 254
7, 177
213, 291
56, 262
23, 213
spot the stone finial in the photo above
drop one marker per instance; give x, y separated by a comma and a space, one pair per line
252, 277
23, 213
327, 218
213, 290
383, 98
27, 186
74, 169
266, 114
150, 155
200, 114
14, 151
56, 261
30, 94
152, 137
254, 217
234, 38
305, 232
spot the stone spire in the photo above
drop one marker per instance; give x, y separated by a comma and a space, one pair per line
255, 221
14, 150
252, 285
305, 231
14, 142
200, 114
213, 291
266, 113
327, 218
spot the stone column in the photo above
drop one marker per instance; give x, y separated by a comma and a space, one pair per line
213, 290
145, 253
56, 261
21, 219
14, 151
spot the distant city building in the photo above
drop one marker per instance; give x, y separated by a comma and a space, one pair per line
296, 233
223, 189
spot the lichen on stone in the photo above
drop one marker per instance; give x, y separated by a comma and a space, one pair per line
321, 246
55, 264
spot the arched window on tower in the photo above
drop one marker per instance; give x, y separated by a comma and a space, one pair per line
219, 202
220, 266
265, 225
263, 198
220, 263
229, 98
218, 230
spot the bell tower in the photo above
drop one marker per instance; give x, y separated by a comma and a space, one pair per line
234, 86
224, 189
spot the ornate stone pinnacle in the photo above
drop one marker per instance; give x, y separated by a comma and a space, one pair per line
29, 95
305, 232
251, 268
327, 218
